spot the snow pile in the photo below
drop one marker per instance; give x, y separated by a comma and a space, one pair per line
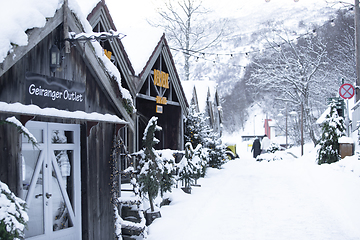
17, 16
348, 165
13, 215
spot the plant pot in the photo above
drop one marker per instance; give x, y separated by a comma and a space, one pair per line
151, 216
186, 189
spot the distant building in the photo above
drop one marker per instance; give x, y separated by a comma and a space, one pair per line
205, 97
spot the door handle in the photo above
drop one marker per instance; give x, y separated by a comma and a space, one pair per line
38, 195
48, 195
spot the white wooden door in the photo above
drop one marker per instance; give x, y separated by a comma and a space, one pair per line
51, 181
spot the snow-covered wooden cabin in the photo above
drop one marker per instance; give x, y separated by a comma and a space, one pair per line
159, 93
71, 99
205, 97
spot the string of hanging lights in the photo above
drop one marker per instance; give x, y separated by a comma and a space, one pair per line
215, 57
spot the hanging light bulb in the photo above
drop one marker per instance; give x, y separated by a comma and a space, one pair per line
296, 0
314, 33
332, 23
267, 0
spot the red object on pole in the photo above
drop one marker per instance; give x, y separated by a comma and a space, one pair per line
346, 91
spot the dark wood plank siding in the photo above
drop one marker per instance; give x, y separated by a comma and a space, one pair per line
97, 211
98, 223
9, 157
169, 120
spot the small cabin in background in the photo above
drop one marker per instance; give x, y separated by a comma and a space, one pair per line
204, 96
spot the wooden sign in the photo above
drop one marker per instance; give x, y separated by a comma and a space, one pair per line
161, 79
46, 91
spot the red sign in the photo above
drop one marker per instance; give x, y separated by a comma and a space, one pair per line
346, 91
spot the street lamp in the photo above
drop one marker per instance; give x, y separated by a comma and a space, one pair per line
293, 113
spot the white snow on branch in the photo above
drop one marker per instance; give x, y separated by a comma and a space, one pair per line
24, 129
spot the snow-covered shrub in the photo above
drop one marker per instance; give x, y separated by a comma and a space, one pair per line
167, 178
13, 215
200, 160
333, 128
186, 168
268, 157
192, 166
273, 148
151, 164
216, 153
196, 127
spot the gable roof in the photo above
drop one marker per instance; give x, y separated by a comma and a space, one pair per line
163, 48
101, 15
203, 91
100, 8
92, 51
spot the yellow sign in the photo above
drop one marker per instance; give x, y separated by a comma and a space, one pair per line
108, 53
161, 100
161, 79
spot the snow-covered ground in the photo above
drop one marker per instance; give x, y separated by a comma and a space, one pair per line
289, 199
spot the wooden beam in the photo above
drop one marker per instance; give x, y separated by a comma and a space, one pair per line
90, 125
25, 118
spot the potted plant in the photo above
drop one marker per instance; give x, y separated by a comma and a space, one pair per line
151, 169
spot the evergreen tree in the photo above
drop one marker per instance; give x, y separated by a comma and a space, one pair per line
151, 165
216, 152
333, 128
195, 127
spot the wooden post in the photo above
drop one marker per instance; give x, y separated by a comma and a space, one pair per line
302, 129
357, 49
66, 28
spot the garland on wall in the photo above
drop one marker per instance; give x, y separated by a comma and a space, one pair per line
118, 150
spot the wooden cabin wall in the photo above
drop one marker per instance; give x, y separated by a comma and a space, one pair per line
37, 60
98, 221
169, 120
10, 157
97, 211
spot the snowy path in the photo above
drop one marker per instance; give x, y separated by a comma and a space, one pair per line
278, 200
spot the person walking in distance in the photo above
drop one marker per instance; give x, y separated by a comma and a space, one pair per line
256, 147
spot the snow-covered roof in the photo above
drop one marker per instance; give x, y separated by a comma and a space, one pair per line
18, 108
139, 46
141, 38
30, 14
321, 119
202, 90
17, 16
345, 139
